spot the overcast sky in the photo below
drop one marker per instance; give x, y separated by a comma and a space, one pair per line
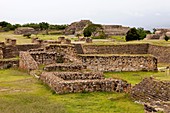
139, 13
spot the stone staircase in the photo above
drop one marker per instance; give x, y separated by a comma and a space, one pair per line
71, 78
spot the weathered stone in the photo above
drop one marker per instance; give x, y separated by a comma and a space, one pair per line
24, 30
119, 63
88, 40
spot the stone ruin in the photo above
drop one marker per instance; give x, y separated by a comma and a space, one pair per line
159, 34
24, 30
115, 30
109, 30
64, 72
153, 94
77, 27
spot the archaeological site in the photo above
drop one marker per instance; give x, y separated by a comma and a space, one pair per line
68, 65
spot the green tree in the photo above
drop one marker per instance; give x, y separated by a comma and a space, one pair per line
132, 34
166, 38
142, 33
44, 26
92, 30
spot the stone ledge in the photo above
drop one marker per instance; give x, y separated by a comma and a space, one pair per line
65, 67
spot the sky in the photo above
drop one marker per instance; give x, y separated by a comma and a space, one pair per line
148, 14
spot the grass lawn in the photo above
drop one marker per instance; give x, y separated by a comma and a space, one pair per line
136, 77
24, 40
21, 93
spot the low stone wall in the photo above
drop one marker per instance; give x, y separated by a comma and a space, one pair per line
61, 86
8, 63
78, 75
116, 49
151, 90
10, 51
68, 51
153, 93
64, 67
42, 57
162, 53
27, 62
120, 63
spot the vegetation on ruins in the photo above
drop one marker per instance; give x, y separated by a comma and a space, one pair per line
95, 31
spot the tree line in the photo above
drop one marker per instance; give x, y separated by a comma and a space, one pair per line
6, 26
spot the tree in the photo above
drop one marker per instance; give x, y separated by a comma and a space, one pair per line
132, 34
4, 24
44, 26
166, 38
142, 33
92, 30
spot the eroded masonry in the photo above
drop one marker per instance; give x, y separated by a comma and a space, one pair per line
69, 68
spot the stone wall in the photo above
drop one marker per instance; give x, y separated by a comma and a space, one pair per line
64, 67
68, 51
10, 51
78, 75
27, 62
42, 57
120, 63
8, 63
162, 53
116, 49
112, 30
24, 30
61, 86
153, 93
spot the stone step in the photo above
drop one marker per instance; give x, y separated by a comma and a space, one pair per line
77, 75
65, 67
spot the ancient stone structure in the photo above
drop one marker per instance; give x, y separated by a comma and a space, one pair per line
109, 30
61, 85
120, 62
153, 93
112, 30
159, 34
8, 63
24, 30
77, 27
162, 53
115, 49
27, 62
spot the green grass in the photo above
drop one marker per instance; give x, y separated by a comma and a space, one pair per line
21, 93
118, 38
114, 40
136, 77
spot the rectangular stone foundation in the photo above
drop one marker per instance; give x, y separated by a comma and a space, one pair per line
61, 86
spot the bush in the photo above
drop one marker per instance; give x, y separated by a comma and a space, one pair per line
136, 34
101, 35
132, 34
27, 35
166, 38
92, 30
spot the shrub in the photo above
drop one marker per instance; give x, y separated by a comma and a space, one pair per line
166, 38
27, 35
92, 30
132, 34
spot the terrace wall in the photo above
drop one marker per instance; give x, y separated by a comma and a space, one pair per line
162, 53
116, 49
120, 63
